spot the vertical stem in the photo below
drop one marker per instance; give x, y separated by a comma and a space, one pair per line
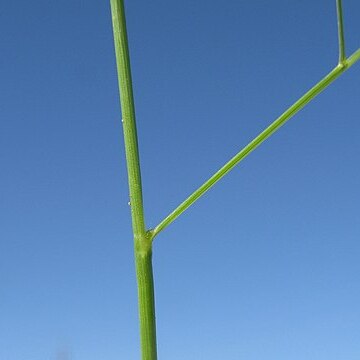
142, 239
342, 56
144, 276
128, 115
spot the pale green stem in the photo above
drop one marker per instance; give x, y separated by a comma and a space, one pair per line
144, 275
142, 240
128, 116
281, 120
351, 60
342, 56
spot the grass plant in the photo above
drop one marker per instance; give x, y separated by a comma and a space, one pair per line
143, 237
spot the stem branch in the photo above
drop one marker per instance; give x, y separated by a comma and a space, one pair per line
281, 120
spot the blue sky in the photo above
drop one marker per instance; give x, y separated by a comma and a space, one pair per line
264, 266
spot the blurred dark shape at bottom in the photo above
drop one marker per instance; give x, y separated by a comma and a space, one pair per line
63, 354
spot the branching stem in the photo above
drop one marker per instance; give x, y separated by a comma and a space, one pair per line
143, 238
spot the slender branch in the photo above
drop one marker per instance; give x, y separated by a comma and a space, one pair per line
351, 60
281, 120
342, 56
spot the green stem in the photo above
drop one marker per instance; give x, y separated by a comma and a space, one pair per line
142, 239
342, 56
144, 275
353, 58
128, 116
281, 120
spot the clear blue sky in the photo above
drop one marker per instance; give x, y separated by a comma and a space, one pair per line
264, 267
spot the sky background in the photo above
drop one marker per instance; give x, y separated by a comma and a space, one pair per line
264, 267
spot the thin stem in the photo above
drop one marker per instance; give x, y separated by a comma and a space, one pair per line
281, 120
142, 238
342, 56
144, 275
353, 58
128, 115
